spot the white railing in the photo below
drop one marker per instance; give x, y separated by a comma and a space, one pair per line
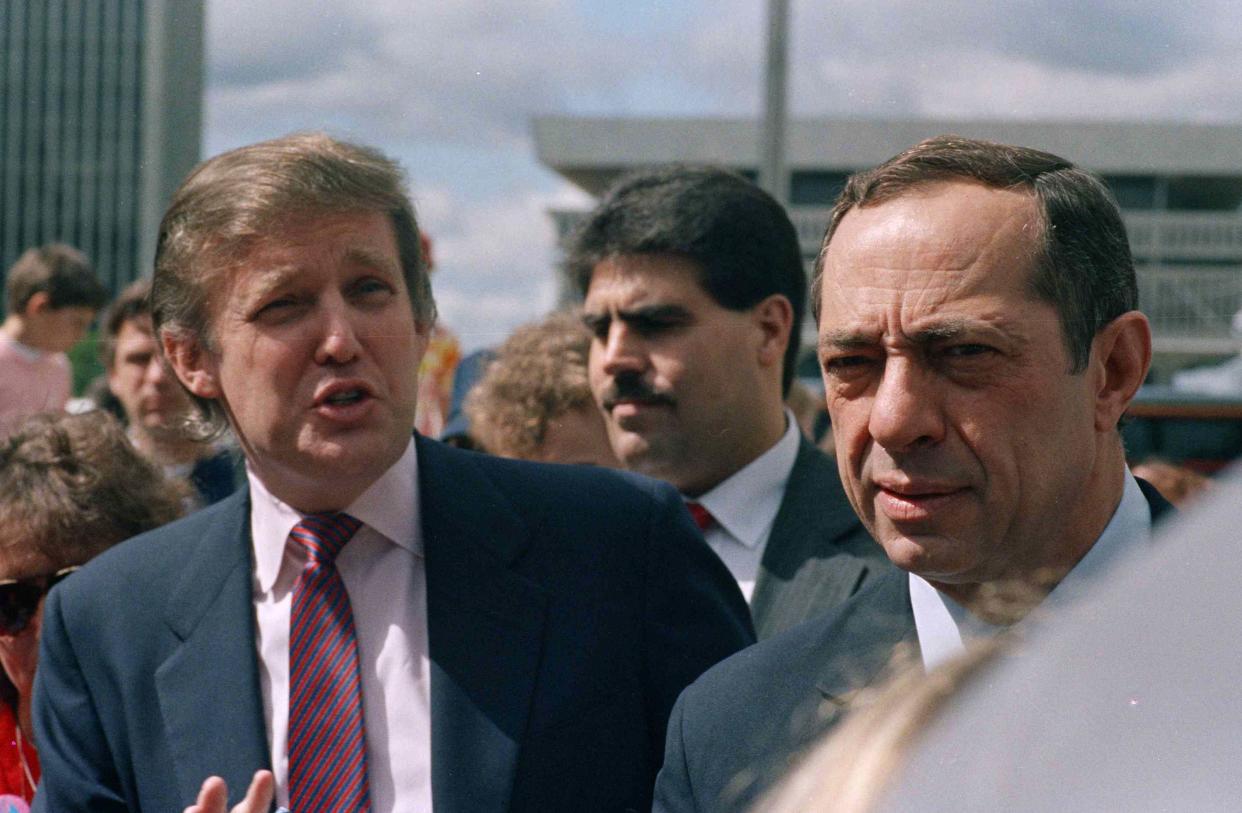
1185, 236
1189, 304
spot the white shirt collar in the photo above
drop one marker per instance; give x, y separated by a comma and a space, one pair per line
944, 626
746, 503
385, 507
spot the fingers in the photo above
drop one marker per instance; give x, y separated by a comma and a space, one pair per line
259, 796
212, 797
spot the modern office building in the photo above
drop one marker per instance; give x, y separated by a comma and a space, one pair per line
1179, 185
100, 119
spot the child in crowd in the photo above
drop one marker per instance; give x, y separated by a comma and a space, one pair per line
51, 296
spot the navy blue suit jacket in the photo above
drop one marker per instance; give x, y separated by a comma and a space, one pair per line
567, 608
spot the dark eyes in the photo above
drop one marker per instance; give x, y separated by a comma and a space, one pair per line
967, 350
276, 305
371, 285
597, 326
646, 326
843, 363
965, 355
365, 291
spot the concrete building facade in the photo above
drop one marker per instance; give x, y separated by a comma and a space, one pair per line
100, 119
1179, 186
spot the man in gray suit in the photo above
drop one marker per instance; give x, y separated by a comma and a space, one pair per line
979, 342
695, 293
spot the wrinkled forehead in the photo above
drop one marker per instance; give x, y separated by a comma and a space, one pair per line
135, 332
138, 323
963, 251
956, 231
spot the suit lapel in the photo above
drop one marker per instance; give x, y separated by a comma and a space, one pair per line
798, 571
1161, 508
873, 630
865, 642
485, 626
208, 687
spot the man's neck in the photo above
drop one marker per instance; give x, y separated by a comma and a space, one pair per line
1000, 602
1008, 597
766, 434
168, 449
18, 329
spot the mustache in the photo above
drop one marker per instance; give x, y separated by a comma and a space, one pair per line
630, 388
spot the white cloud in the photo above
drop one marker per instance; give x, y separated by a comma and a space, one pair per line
450, 89
495, 261
1053, 59
465, 72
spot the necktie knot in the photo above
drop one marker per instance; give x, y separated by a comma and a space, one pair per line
324, 535
702, 517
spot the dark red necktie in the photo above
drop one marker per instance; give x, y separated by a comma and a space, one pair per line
327, 735
702, 517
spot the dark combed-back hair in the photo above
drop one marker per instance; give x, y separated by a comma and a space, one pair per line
1084, 268
73, 485
236, 199
60, 271
738, 235
133, 303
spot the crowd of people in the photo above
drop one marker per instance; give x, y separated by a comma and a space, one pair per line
318, 605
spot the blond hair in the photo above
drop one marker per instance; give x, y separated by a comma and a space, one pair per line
232, 201
538, 375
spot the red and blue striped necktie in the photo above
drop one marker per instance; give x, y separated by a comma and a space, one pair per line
327, 735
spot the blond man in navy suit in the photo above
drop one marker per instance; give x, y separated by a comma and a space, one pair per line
521, 629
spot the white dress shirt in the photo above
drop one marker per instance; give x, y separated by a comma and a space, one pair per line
944, 627
745, 507
383, 571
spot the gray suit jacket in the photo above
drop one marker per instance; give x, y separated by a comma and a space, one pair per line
741, 725
818, 555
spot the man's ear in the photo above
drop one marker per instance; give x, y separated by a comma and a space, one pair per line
1122, 351
194, 366
774, 318
38, 302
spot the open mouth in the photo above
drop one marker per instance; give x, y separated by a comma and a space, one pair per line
345, 397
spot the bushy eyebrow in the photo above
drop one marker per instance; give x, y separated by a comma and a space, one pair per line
668, 311
275, 277
847, 339
372, 259
652, 314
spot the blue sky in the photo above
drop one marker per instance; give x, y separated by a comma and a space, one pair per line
450, 88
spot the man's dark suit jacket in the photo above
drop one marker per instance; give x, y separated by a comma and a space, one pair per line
818, 553
567, 608
739, 727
